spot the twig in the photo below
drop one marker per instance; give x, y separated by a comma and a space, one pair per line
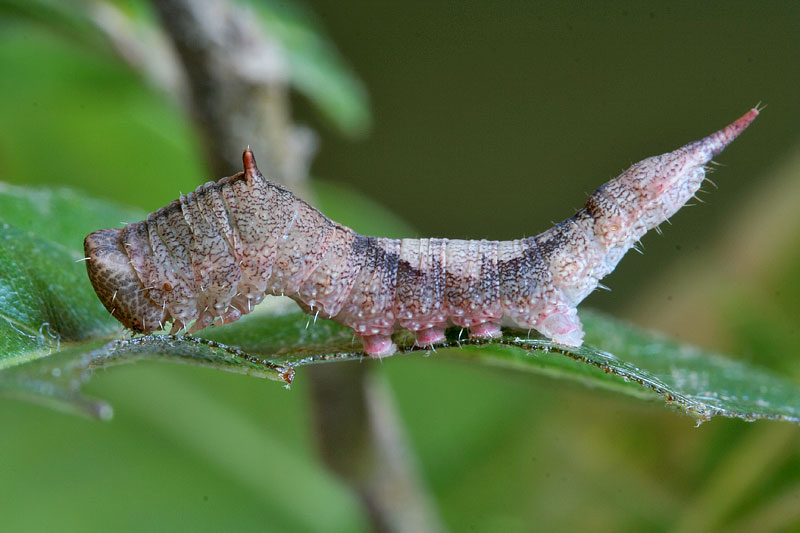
238, 83
361, 439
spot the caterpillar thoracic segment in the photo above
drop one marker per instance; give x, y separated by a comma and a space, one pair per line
213, 254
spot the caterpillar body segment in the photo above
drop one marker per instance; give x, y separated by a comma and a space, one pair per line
213, 254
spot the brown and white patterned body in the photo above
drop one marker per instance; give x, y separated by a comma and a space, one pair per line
213, 254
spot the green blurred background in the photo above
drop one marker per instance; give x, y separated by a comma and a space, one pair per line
489, 120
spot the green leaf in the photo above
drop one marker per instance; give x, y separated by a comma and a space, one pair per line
315, 67
44, 301
54, 333
65, 18
632, 361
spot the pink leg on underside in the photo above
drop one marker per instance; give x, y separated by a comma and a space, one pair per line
429, 336
564, 328
487, 330
378, 345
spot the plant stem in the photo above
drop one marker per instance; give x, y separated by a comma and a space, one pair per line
360, 438
239, 92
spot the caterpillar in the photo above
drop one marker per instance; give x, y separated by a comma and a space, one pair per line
211, 255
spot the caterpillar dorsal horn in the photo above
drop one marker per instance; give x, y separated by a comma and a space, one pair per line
211, 256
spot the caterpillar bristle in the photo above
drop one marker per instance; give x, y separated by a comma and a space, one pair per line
228, 244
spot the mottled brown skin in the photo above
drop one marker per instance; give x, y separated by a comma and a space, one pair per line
213, 254
117, 285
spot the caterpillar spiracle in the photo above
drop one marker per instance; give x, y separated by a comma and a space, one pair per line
211, 255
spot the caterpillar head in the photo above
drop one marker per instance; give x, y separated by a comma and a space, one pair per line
116, 283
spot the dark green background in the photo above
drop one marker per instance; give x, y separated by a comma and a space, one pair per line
489, 120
